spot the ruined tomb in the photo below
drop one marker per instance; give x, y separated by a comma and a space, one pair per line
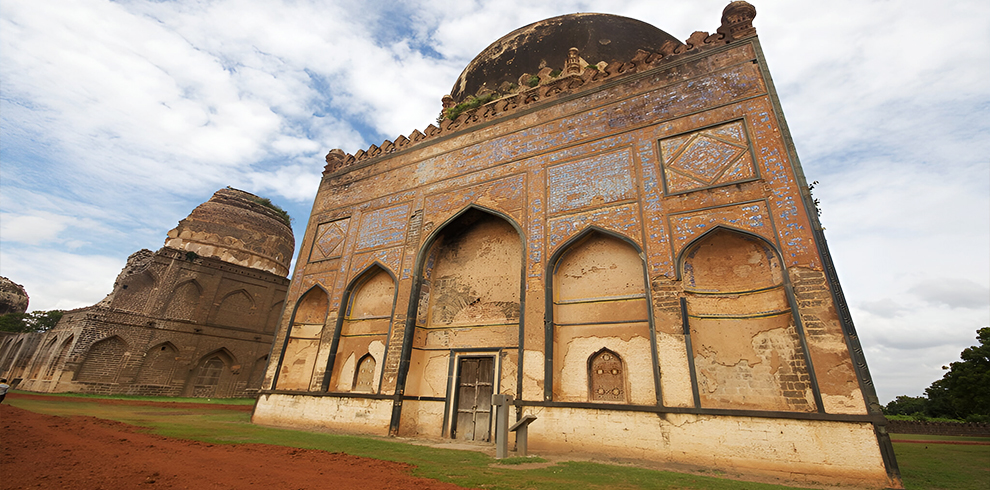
196, 318
611, 226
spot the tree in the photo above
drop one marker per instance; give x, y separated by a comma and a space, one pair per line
906, 405
964, 391
36, 321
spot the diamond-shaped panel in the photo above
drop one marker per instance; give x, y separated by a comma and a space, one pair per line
706, 157
713, 156
329, 240
732, 132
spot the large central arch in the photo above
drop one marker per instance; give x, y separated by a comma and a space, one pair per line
465, 314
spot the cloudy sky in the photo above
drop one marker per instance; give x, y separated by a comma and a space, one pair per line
118, 118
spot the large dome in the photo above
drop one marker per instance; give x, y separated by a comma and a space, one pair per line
598, 37
237, 227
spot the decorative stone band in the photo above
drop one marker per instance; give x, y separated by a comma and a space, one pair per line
737, 23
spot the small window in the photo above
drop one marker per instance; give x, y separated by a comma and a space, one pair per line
606, 377
364, 378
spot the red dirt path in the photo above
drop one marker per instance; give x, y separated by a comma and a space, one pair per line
86, 453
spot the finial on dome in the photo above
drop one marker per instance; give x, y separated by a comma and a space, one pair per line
737, 20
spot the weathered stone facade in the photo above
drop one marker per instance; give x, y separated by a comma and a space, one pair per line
196, 318
628, 247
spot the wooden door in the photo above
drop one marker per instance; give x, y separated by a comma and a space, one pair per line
475, 384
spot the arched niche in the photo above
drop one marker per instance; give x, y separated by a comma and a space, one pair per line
59, 359
471, 276
159, 365
746, 347
364, 376
10, 356
599, 298
237, 309
274, 313
606, 377
134, 291
364, 329
43, 355
213, 375
469, 280
182, 304
303, 341
102, 362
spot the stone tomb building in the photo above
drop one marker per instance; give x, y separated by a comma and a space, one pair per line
196, 318
613, 228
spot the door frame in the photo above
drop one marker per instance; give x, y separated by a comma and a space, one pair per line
453, 378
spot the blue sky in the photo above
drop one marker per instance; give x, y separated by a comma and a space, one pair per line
118, 118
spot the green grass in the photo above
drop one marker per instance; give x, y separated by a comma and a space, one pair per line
521, 460
165, 399
940, 466
943, 466
923, 437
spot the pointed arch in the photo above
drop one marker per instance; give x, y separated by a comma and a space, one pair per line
159, 365
183, 302
213, 375
364, 375
238, 309
598, 291
5, 350
691, 246
41, 357
135, 290
102, 362
274, 314
746, 343
302, 340
467, 292
10, 356
364, 326
59, 359
475, 245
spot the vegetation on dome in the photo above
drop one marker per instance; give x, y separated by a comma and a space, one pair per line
264, 201
472, 102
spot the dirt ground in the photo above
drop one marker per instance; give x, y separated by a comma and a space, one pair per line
86, 453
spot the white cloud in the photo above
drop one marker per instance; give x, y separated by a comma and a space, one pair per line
32, 230
60, 280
